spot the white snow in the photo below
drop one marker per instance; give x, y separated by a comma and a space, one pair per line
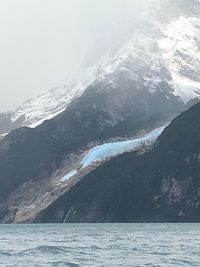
140, 56
185, 88
69, 175
180, 48
56, 100
108, 150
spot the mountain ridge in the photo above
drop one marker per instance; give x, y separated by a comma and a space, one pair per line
151, 52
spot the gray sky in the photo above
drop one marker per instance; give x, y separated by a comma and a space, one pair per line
45, 41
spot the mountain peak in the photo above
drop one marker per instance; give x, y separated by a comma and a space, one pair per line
156, 49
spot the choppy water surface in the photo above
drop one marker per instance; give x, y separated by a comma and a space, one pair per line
135, 245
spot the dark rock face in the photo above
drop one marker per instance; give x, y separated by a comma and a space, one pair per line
6, 124
162, 185
100, 113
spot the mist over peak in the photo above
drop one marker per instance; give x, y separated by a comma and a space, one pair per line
43, 42
169, 9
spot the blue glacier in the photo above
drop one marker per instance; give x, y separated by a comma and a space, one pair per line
102, 152
108, 150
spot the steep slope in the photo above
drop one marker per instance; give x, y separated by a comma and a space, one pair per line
160, 185
47, 105
25, 202
91, 119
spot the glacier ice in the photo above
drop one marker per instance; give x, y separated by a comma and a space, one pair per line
101, 152
108, 150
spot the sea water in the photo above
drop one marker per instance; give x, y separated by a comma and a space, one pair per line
134, 245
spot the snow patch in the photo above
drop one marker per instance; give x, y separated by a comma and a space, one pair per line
185, 88
69, 175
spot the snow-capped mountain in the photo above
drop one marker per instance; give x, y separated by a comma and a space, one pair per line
163, 52
47, 105
151, 51
137, 84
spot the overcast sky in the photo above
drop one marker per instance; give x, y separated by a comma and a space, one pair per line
42, 42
